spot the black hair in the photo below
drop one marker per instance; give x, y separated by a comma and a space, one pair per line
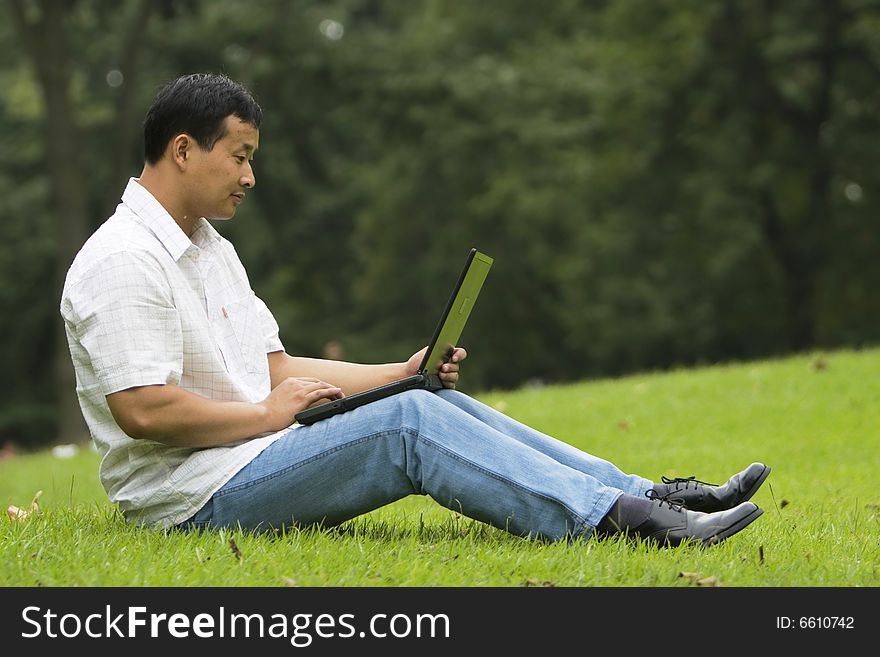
198, 105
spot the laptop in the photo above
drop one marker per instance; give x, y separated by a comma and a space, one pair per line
440, 348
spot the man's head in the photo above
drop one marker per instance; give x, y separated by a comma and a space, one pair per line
197, 105
200, 135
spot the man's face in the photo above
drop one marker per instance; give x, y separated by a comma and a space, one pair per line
218, 178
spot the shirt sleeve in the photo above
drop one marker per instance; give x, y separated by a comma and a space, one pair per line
269, 327
123, 314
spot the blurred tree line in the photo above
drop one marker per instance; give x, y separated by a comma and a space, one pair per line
660, 183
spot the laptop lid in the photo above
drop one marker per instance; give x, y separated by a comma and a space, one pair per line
446, 335
457, 311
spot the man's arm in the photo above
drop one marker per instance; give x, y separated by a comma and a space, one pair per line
171, 415
350, 377
355, 377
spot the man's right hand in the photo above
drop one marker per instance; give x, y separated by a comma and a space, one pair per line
293, 395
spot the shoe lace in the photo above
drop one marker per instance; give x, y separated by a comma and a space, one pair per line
687, 481
675, 503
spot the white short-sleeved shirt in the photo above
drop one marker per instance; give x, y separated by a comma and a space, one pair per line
144, 304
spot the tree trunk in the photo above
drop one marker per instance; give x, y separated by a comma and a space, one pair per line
43, 29
45, 42
798, 243
69, 205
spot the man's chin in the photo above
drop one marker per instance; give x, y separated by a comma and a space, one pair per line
226, 217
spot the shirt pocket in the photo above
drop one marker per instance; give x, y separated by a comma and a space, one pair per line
247, 333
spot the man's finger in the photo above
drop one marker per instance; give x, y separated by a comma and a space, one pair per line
325, 391
318, 385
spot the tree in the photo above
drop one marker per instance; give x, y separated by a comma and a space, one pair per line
44, 29
661, 183
744, 122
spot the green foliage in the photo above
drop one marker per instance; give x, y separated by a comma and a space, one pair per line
813, 419
661, 184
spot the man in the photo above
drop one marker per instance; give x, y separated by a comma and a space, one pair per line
191, 398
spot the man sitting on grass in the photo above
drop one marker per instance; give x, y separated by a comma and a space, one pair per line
191, 398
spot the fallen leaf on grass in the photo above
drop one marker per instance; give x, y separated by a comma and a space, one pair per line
15, 513
18, 514
289, 582
35, 505
534, 582
697, 579
234, 548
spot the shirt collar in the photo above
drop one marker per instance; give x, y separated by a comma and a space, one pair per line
205, 234
156, 218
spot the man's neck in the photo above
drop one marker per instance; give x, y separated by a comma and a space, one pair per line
153, 180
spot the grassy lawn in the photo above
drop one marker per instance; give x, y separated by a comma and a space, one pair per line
815, 419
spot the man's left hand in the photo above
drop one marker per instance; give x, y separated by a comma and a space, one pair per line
448, 371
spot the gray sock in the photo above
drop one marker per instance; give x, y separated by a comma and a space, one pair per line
628, 512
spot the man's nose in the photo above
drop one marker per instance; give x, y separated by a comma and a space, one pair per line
248, 179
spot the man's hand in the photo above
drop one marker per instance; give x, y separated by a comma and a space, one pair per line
294, 394
448, 371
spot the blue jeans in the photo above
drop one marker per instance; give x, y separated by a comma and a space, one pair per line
465, 455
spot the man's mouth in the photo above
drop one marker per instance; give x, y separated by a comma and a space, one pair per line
239, 196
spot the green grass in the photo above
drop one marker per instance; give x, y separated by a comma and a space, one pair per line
815, 419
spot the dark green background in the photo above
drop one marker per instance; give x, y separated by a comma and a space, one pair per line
660, 183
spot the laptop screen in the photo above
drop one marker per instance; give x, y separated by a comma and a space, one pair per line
457, 311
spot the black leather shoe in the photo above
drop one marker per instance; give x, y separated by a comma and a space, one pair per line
671, 524
701, 496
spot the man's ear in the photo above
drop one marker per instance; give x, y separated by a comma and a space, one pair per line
181, 147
